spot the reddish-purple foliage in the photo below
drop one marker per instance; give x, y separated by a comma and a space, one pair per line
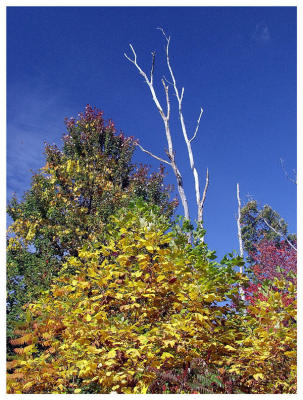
271, 261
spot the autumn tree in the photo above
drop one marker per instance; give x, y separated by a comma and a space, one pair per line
70, 200
269, 263
271, 249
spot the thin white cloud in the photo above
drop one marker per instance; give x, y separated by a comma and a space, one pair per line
261, 33
34, 114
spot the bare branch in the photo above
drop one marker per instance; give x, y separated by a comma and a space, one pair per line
204, 193
152, 67
201, 205
149, 83
167, 99
197, 127
164, 34
183, 127
166, 80
280, 234
153, 155
165, 119
134, 61
182, 94
286, 173
238, 223
242, 295
170, 69
129, 59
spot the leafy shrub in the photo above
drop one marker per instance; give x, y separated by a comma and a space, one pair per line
139, 302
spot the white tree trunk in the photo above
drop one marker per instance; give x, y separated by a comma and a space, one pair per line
240, 239
165, 118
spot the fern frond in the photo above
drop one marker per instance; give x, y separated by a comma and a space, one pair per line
12, 364
23, 350
26, 339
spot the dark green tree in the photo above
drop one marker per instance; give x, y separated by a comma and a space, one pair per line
259, 223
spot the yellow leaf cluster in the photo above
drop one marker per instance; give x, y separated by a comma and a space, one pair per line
267, 351
136, 305
119, 319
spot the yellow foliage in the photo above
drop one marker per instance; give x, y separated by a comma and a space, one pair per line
267, 350
135, 306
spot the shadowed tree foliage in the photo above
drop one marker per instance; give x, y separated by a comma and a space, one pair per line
70, 200
258, 224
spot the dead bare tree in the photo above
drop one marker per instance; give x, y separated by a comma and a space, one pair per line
240, 238
166, 121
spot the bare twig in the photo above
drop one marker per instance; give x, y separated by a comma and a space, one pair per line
134, 61
152, 67
167, 99
153, 155
204, 197
286, 173
164, 34
151, 87
166, 80
197, 127
181, 97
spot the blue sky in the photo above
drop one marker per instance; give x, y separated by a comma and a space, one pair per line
238, 63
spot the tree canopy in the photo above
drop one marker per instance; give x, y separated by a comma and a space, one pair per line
70, 200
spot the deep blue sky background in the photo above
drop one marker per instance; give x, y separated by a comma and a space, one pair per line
238, 63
